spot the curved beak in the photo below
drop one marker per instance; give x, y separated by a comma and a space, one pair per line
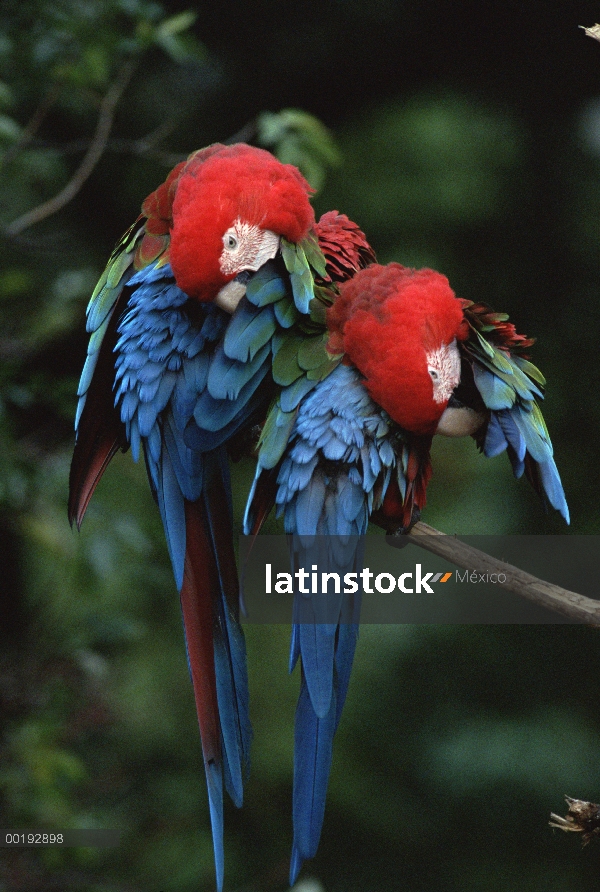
231, 294
459, 420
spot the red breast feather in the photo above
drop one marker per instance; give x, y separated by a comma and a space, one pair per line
386, 320
203, 196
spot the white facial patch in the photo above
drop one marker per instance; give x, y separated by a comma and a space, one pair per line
443, 365
247, 247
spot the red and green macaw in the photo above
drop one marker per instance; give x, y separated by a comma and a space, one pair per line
210, 304
409, 361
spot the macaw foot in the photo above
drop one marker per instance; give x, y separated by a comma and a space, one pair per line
397, 537
245, 442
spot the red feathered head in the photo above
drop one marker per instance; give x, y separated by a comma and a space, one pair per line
219, 188
399, 327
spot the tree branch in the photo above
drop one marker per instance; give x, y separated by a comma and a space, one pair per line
545, 594
106, 116
582, 817
594, 31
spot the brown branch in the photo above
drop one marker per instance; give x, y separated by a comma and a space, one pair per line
545, 594
106, 116
582, 817
118, 145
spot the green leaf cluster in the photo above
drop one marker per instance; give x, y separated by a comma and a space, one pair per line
299, 138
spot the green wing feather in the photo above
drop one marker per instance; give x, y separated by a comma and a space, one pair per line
495, 347
133, 251
301, 271
300, 357
511, 388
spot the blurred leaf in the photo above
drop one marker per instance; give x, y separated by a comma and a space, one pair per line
181, 47
6, 95
439, 160
9, 129
175, 24
15, 282
172, 35
299, 138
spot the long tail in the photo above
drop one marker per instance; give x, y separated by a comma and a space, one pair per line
324, 636
336, 466
215, 645
197, 590
230, 646
313, 747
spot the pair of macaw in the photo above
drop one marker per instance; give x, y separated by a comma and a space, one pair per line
227, 306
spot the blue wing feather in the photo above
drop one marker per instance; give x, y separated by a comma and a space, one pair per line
172, 512
227, 377
249, 330
162, 372
507, 385
266, 286
214, 415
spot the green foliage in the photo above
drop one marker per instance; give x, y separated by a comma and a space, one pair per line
81, 45
301, 139
441, 161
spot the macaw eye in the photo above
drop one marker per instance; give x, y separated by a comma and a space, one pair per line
434, 374
230, 241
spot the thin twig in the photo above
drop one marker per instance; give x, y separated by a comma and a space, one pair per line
545, 594
151, 140
90, 160
118, 145
33, 125
594, 31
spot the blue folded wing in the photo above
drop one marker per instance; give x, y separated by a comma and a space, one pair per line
166, 354
507, 385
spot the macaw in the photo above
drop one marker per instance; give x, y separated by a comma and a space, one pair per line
204, 296
417, 361
477, 381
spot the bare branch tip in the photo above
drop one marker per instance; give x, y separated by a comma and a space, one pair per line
593, 32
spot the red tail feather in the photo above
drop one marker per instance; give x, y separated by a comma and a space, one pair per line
90, 460
200, 581
398, 512
263, 499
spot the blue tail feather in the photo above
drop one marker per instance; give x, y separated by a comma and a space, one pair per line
312, 762
553, 487
344, 658
232, 696
229, 643
214, 783
317, 646
171, 504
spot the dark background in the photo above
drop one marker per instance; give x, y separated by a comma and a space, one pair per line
469, 138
